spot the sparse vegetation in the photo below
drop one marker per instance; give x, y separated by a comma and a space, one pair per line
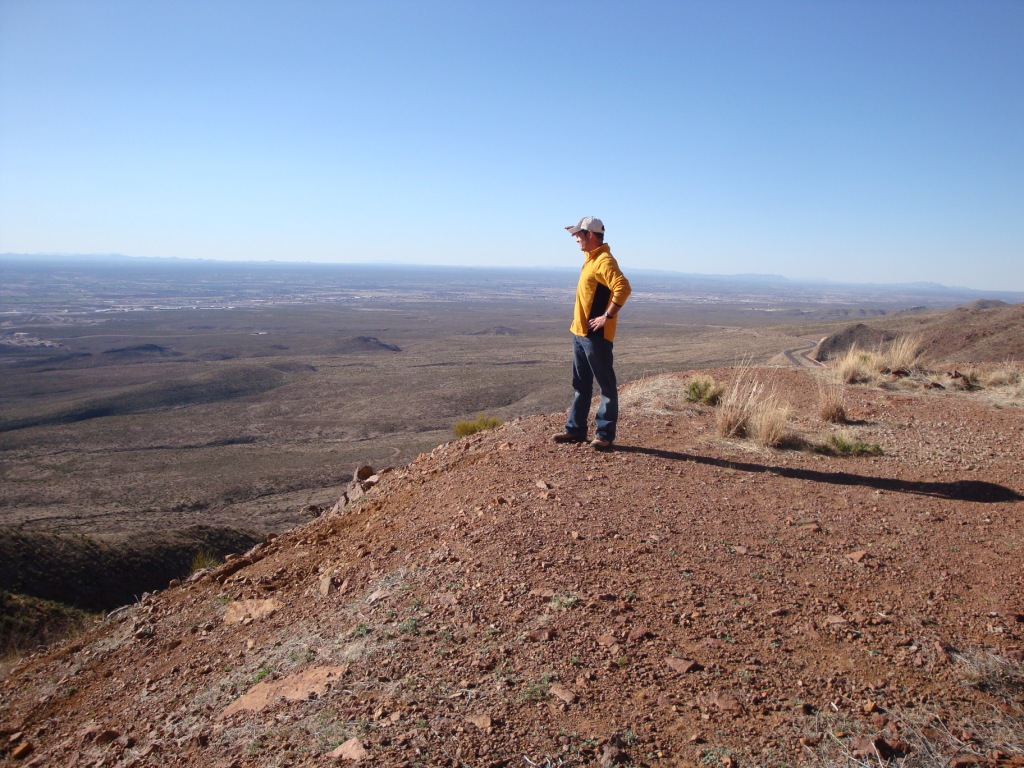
993, 673
860, 366
537, 689
703, 389
564, 601
752, 408
924, 739
832, 399
481, 423
903, 353
846, 444
27, 623
202, 560
409, 626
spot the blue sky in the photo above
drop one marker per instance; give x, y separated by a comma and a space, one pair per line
853, 140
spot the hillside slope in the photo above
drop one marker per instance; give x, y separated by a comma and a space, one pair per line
681, 600
979, 332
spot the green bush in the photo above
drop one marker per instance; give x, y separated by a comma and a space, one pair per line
480, 424
845, 444
703, 389
204, 559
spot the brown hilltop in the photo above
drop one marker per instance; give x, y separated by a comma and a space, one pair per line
979, 332
682, 600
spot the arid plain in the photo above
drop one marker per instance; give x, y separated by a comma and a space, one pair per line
152, 410
689, 598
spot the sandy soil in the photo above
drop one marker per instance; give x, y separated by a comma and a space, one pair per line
681, 600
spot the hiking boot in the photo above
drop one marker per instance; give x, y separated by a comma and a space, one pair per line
600, 442
568, 437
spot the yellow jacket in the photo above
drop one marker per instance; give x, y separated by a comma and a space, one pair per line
601, 280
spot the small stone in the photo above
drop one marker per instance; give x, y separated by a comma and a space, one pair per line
483, 722
562, 693
726, 702
683, 666
638, 634
858, 556
326, 582
351, 750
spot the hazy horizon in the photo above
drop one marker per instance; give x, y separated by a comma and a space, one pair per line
754, 276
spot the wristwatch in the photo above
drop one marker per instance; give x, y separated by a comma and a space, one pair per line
610, 317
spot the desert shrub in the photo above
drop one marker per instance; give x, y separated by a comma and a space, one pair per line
927, 739
770, 420
859, 366
847, 444
480, 424
903, 353
203, 559
1007, 374
752, 408
967, 379
987, 671
832, 399
27, 623
703, 389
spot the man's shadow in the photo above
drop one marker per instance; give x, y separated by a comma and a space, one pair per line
958, 490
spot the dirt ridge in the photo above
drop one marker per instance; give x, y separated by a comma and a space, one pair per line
681, 600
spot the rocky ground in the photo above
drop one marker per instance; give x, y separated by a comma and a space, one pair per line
681, 600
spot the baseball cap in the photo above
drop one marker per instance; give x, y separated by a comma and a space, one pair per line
588, 223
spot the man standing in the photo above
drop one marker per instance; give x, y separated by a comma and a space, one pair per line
600, 294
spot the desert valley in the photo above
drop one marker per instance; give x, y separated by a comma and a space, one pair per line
244, 489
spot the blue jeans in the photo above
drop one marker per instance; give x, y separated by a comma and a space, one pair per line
592, 359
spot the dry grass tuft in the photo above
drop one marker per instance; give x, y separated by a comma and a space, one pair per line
859, 366
921, 739
1006, 374
480, 424
832, 399
845, 443
753, 408
661, 394
903, 353
990, 672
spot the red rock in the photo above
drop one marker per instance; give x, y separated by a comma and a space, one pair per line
726, 702
562, 693
638, 634
683, 666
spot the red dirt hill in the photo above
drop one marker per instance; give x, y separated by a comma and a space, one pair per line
679, 601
